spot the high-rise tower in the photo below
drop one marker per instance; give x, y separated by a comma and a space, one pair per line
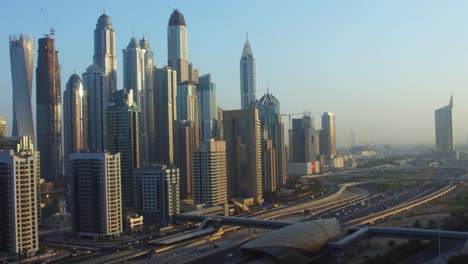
75, 119
94, 80
207, 108
177, 49
273, 129
19, 232
96, 196
328, 138
134, 79
243, 153
49, 110
209, 173
104, 53
248, 84
22, 60
123, 135
149, 100
444, 128
303, 142
165, 107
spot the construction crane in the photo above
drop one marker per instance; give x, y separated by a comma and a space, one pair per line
305, 113
51, 28
290, 115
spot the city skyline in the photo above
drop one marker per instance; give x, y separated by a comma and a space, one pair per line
353, 60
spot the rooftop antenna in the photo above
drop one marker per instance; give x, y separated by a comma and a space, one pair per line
268, 87
51, 28
103, 11
247, 36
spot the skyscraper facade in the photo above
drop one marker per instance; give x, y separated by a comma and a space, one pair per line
165, 107
302, 141
444, 128
149, 97
243, 153
269, 166
273, 129
210, 173
328, 148
185, 142
123, 136
75, 119
160, 203
94, 81
49, 110
96, 196
187, 105
22, 61
134, 79
104, 53
177, 49
19, 232
248, 84
207, 108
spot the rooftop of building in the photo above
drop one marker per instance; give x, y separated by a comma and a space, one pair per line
177, 19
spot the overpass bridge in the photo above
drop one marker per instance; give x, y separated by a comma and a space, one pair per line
361, 233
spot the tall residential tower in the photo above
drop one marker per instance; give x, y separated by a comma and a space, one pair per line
247, 77
165, 107
49, 110
243, 154
207, 108
75, 119
22, 60
93, 81
177, 49
104, 53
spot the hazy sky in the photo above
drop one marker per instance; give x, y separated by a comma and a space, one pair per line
382, 67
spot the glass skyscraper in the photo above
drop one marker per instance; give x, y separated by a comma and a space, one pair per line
248, 84
104, 53
22, 60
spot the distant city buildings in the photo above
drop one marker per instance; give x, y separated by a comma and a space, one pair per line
19, 232
49, 110
75, 118
210, 173
22, 62
124, 137
104, 53
96, 196
157, 193
243, 154
248, 84
444, 128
